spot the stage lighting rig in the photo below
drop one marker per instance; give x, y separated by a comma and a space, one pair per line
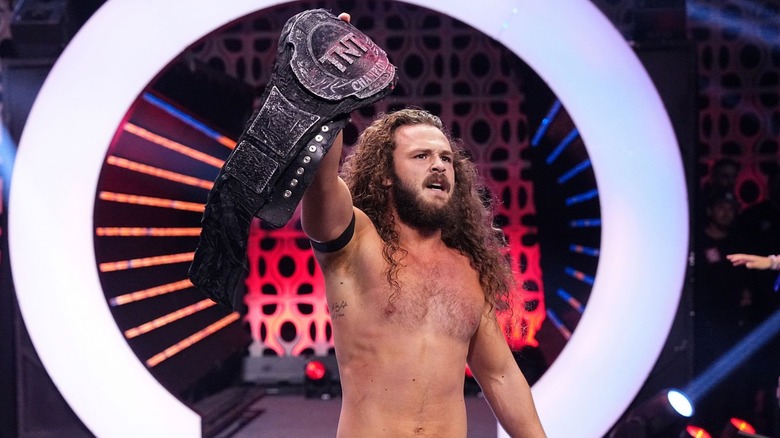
321, 378
663, 415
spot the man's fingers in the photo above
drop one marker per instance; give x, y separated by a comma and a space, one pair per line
344, 16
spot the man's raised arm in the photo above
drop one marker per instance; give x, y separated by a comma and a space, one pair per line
326, 207
324, 70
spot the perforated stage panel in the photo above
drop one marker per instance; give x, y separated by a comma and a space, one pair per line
738, 52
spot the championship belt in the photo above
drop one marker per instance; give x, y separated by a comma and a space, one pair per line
325, 69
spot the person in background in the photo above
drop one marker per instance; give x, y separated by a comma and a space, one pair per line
721, 305
723, 177
752, 261
721, 180
757, 234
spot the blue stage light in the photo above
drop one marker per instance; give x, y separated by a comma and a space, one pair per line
680, 402
732, 359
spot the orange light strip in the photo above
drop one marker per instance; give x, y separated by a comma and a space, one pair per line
146, 262
225, 141
172, 145
159, 173
192, 339
169, 318
152, 202
146, 232
149, 293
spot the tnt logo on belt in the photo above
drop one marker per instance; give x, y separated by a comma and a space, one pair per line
348, 49
332, 59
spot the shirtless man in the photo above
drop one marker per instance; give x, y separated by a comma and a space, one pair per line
413, 275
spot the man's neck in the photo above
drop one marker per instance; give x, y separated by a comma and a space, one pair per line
421, 238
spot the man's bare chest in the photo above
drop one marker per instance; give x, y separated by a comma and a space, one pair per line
442, 298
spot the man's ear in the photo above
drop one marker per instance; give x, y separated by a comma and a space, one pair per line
387, 181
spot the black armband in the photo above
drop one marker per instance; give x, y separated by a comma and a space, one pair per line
339, 242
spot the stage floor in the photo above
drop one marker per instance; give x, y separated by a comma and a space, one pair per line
298, 417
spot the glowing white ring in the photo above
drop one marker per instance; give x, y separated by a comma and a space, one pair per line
568, 43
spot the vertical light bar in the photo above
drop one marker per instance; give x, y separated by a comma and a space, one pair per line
546, 122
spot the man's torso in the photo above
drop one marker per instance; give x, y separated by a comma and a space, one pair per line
402, 350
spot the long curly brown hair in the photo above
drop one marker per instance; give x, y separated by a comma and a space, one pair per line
474, 235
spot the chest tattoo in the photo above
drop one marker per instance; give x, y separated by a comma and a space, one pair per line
337, 309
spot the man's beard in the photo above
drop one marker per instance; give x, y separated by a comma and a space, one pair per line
415, 211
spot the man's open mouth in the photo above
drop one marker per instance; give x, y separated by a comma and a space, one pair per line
438, 183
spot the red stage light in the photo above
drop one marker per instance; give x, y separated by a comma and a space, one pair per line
697, 432
315, 370
742, 425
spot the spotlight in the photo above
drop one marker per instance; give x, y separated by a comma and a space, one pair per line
742, 425
321, 377
315, 370
737, 427
696, 432
662, 415
680, 403
317, 380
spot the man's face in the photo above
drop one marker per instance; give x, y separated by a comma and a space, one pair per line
424, 177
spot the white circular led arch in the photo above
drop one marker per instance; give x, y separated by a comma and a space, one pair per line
126, 43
